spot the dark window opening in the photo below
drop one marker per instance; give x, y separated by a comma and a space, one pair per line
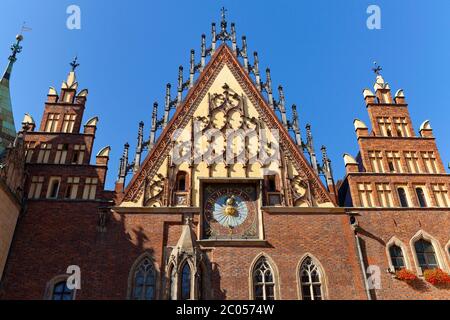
397, 257
402, 197
271, 184
144, 281
391, 166
62, 292
75, 157
54, 189
389, 132
68, 191
186, 282
181, 181
426, 255
421, 198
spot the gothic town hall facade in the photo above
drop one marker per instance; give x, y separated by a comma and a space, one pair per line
228, 198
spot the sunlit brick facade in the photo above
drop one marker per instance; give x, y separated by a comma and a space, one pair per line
397, 188
266, 225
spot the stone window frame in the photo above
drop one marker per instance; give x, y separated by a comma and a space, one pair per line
376, 159
72, 184
323, 276
426, 192
68, 123
366, 194
50, 286
50, 184
44, 152
442, 189
421, 234
396, 241
52, 122
406, 189
36, 187
412, 161
276, 275
447, 249
136, 263
383, 192
178, 278
430, 162
401, 123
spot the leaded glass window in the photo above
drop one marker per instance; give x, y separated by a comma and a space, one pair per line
426, 255
311, 280
62, 292
263, 281
397, 258
144, 281
185, 282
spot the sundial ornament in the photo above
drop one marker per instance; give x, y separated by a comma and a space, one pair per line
229, 211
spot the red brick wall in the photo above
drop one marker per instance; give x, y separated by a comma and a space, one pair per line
50, 238
379, 226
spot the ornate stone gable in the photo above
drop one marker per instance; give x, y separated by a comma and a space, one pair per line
185, 112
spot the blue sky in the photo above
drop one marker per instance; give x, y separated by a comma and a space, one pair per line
320, 51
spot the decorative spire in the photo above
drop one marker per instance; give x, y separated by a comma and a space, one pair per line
16, 48
180, 85
326, 170
139, 147
223, 12
123, 164
154, 125
255, 70
223, 23
296, 127
192, 69
74, 64
282, 106
7, 126
167, 105
310, 148
233, 38
243, 52
214, 38
268, 88
377, 69
203, 58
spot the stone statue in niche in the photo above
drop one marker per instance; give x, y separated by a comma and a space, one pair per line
154, 191
300, 192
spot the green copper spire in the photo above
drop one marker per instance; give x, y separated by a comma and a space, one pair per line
7, 127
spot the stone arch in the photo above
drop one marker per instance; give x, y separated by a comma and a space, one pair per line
48, 294
396, 241
447, 249
133, 269
276, 275
320, 268
421, 234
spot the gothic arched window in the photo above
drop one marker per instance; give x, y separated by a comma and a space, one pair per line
311, 280
144, 281
397, 259
173, 283
263, 281
185, 284
181, 181
62, 292
426, 254
402, 197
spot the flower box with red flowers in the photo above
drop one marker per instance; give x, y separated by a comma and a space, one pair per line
405, 275
436, 277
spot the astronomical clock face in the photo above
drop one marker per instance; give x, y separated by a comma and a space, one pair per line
230, 211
